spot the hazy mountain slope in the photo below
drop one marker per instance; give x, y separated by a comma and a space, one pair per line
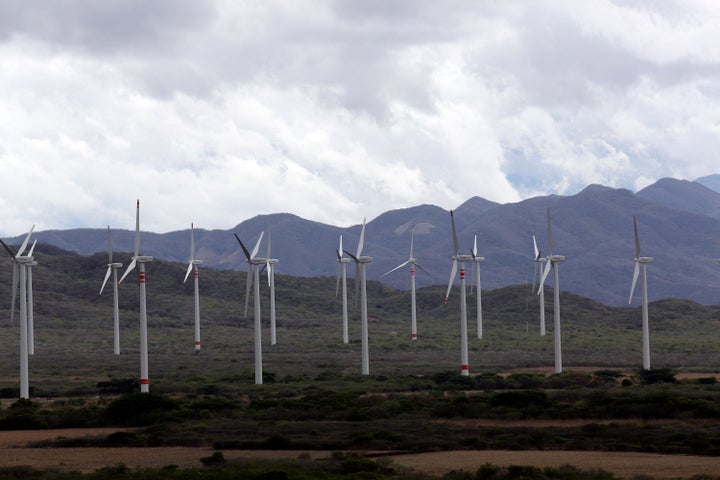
683, 195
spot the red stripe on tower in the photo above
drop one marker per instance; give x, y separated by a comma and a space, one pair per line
465, 368
462, 274
197, 343
144, 381
414, 335
196, 274
142, 277
412, 270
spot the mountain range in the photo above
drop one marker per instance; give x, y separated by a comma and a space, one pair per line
678, 221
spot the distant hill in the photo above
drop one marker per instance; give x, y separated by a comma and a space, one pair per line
710, 181
679, 224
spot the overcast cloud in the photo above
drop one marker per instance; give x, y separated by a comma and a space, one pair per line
216, 111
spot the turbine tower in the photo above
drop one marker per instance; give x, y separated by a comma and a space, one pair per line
457, 258
253, 277
270, 265
342, 272
413, 263
645, 323
360, 276
193, 267
113, 270
141, 260
539, 259
554, 261
476, 276
20, 266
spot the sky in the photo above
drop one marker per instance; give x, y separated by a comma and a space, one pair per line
214, 112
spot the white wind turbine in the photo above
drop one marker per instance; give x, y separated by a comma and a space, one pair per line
413, 262
20, 266
141, 260
113, 270
457, 258
476, 276
253, 277
342, 272
541, 295
193, 267
554, 261
361, 280
645, 323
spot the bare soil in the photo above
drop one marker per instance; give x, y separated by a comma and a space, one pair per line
15, 452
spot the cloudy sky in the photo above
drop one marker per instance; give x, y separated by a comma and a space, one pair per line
216, 111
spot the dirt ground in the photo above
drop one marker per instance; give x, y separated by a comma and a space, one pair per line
14, 452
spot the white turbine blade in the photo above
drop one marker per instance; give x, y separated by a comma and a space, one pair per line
337, 279
268, 268
549, 235
15, 281
357, 285
248, 286
192, 242
453, 272
474, 249
535, 249
137, 232
455, 240
535, 276
637, 239
110, 252
544, 276
412, 240
340, 249
257, 245
421, 268
634, 280
269, 242
32, 249
399, 266
361, 242
107, 275
25, 242
130, 268
187, 273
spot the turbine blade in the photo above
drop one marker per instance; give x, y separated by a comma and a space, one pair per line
340, 249
549, 234
268, 267
412, 240
137, 230
548, 264
192, 242
244, 249
110, 252
25, 242
351, 256
357, 285
535, 247
257, 245
15, 281
634, 280
421, 268
453, 272
337, 279
8, 248
637, 239
535, 276
130, 268
474, 249
399, 266
269, 242
107, 275
248, 286
32, 249
455, 240
361, 242
189, 269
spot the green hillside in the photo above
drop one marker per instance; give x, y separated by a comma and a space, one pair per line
73, 330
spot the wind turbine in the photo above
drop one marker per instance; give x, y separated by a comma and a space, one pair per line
541, 295
476, 274
253, 277
342, 272
645, 323
360, 276
113, 270
20, 266
413, 262
554, 261
193, 267
141, 260
457, 258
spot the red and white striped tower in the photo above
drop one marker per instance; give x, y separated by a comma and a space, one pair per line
461, 259
144, 369
196, 277
413, 309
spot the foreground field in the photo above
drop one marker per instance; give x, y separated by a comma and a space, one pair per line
14, 452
